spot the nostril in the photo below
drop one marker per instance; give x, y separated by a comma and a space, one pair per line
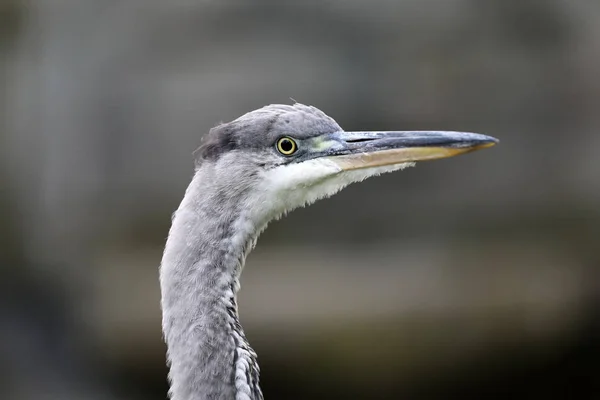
359, 140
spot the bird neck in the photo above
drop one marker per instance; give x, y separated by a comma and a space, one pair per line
209, 356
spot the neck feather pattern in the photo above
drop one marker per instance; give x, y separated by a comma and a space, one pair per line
208, 354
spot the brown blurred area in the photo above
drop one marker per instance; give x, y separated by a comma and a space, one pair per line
476, 275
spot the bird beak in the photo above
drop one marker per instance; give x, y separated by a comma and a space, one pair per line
357, 150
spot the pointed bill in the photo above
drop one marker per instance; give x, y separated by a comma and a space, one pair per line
375, 149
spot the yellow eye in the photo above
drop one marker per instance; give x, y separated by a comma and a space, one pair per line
286, 146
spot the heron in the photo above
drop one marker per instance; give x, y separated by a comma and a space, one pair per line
249, 172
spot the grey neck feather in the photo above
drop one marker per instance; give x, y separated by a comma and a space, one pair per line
208, 353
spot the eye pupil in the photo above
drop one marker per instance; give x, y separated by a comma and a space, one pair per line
286, 146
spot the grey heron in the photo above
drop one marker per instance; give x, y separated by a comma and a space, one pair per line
249, 172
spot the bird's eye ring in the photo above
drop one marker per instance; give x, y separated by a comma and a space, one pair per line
286, 146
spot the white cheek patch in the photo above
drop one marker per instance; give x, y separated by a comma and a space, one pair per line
290, 186
295, 185
294, 176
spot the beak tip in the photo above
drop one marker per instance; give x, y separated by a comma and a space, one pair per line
491, 141
484, 141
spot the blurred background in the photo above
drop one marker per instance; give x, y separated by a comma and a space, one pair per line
476, 275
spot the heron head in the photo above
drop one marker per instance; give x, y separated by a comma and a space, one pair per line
281, 157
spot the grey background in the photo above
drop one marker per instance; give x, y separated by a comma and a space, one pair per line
477, 274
